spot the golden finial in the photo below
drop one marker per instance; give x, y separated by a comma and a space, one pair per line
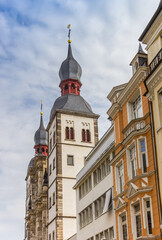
68, 27
41, 108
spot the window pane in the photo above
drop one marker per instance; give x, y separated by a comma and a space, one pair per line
138, 225
144, 163
70, 160
149, 222
142, 143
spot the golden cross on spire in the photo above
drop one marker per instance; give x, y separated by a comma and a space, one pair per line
68, 27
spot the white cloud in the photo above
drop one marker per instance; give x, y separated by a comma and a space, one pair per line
32, 46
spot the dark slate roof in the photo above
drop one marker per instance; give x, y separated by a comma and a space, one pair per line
70, 68
71, 102
151, 21
41, 135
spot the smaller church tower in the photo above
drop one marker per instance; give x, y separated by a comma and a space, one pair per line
36, 187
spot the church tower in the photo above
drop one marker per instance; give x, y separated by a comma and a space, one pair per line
73, 132
36, 188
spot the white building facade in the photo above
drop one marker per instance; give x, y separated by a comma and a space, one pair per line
94, 192
73, 132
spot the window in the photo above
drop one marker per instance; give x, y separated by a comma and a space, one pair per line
54, 163
67, 133
120, 177
103, 203
134, 109
124, 227
88, 135
50, 236
66, 86
50, 171
53, 235
54, 198
54, 140
138, 220
72, 133
148, 217
143, 155
132, 157
70, 160
111, 232
108, 165
50, 145
86, 216
50, 202
95, 178
72, 86
85, 187
83, 135
137, 108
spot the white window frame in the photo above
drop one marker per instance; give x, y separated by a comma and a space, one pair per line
133, 217
130, 114
145, 223
129, 167
120, 224
117, 176
139, 152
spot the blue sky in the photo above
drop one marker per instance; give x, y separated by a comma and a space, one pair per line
33, 44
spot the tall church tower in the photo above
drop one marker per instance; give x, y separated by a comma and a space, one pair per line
36, 188
73, 132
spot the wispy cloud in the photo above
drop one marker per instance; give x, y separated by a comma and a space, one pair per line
33, 44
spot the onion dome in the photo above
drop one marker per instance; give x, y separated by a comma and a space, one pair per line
41, 136
70, 68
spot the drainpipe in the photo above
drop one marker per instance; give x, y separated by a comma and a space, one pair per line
156, 167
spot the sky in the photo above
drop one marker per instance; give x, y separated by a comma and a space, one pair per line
33, 44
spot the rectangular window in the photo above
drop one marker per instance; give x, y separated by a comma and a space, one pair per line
54, 163
124, 227
50, 236
108, 165
53, 198
120, 178
50, 145
132, 156
54, 140
143, 155
99, 174
50, 170
138, 220
137, 108
111, 233
70, 160
53, 235
103, 170
95, 177
148, 217
50, 202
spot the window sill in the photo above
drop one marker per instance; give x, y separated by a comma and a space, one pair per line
66, 139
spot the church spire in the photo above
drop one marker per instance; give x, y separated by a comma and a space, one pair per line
41, 137
70, 72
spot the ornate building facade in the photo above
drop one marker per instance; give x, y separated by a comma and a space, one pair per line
36, 188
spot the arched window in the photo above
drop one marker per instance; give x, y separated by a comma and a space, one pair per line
67, 133
66, 86
72, 86
88, 135
71, 133
83, 135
